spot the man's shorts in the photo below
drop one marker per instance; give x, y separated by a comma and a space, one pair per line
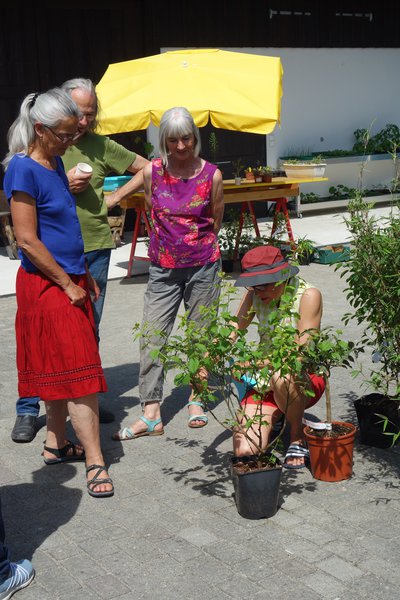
317, 386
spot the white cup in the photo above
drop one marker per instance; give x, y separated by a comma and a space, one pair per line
83, 169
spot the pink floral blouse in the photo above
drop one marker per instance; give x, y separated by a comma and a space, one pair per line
182, 234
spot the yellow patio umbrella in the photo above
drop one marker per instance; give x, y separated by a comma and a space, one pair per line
234, 90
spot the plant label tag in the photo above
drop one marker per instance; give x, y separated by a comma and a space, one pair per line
317, 424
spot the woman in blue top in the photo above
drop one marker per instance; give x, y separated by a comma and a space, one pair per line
57, 352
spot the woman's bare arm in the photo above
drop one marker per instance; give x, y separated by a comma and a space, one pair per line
23, 211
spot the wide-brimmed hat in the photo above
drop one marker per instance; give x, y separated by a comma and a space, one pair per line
264, 264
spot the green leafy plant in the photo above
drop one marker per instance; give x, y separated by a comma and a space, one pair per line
372, 277
318, 159
213, 145
313, 160
325, 350
340, 191
265, 170
309, 197
238, 168
248, 241
305, 249
212, 355
148, 148
373, 289
385, 141
249, 172
208, 348
228, 235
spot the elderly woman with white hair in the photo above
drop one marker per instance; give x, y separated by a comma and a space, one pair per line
57, 352
184, 195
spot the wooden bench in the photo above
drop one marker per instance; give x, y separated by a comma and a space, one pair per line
6, 228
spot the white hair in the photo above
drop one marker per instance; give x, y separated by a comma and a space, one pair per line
177, 121
49, 108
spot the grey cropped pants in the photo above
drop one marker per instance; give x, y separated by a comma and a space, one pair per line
196, 286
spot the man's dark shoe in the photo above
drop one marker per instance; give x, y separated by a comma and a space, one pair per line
105, 416
25, 429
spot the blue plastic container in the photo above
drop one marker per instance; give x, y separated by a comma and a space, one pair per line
113, 183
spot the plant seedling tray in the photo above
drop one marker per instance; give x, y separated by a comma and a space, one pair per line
327, 255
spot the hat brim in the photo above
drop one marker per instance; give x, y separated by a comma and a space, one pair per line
252, 279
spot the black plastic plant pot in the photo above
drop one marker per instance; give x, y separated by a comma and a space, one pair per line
370, 424
304, 258
227, 265
257, 491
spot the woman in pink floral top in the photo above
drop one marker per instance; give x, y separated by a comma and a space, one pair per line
184, 195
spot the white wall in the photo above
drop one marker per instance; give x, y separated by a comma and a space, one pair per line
329, 93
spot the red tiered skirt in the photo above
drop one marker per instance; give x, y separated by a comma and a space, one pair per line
57, 350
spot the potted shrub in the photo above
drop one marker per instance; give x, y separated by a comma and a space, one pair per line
227, 237
305, 249
258, 174
249, 173
266, 174
330, 443
193, 351
237, 170
373, 292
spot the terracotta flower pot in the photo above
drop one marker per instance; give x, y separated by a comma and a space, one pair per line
267, 178
331, 458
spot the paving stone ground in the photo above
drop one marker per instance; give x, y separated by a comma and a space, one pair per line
172, 530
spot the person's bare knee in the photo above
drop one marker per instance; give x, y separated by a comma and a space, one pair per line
251, 440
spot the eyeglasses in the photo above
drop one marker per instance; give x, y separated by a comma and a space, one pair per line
64, 137
88, 116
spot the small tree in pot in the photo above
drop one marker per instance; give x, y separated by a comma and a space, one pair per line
195, 351
373, 290
330, 443
238, 169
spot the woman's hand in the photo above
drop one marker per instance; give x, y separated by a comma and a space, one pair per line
76, 294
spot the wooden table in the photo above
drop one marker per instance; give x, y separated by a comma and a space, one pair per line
279, 190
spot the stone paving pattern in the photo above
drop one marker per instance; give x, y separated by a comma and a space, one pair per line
172, 530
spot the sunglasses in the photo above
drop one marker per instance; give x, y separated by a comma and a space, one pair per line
64, 137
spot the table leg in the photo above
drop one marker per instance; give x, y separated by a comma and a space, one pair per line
139, 214
298, 207
281, 207
253, 218
245, 205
